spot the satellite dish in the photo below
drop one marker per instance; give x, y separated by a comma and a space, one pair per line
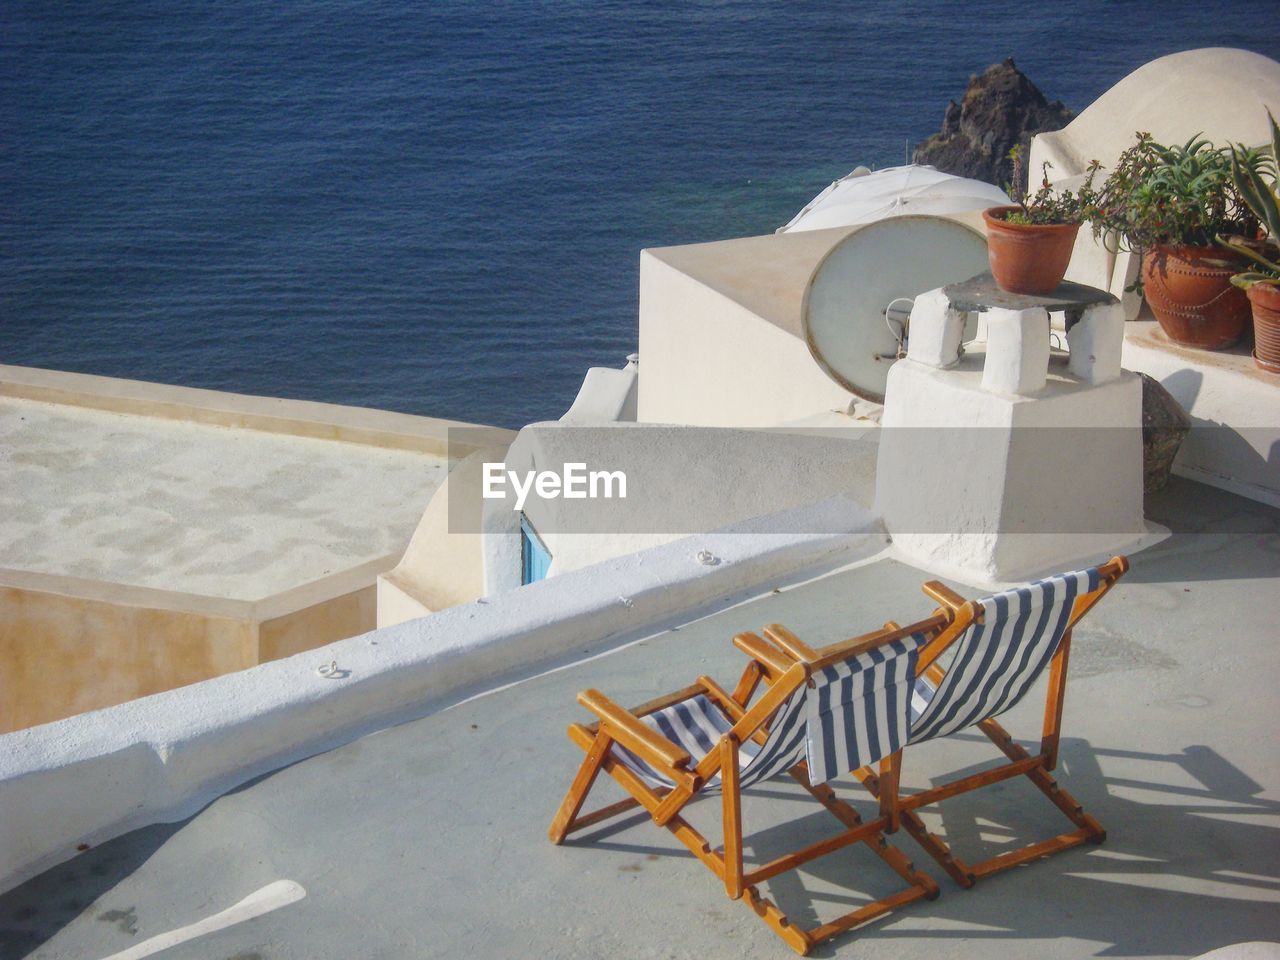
861, 288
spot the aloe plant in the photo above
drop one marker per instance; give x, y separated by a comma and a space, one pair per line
1249, 170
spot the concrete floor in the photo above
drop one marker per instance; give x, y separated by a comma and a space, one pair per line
429, 839
195, 508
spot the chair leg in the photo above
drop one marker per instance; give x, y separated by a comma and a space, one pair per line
1089, 830
732, 817
641, 796
881, 847
801, 940
764, 908
933, 845
921, 885
567, 816
728, 866
1047, 784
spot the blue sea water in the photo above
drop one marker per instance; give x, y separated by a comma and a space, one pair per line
438, 207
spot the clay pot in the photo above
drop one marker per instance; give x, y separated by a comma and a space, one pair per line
1190, 292
1027, 257
1266, 326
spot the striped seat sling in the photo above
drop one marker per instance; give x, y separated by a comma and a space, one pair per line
851, 714
1000, 656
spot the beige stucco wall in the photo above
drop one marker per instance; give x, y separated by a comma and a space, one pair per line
1219, 92
443, 565
64, 651
722, 331
320, 623
69, 645
708, 360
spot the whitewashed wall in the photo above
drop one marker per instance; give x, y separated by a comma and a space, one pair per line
159, 759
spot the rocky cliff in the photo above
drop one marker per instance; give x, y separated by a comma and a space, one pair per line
1000, 108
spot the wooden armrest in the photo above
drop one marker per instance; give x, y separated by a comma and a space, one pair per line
771, 658
890, 632
1115, 568
716, 694
943, 594
789, 642
755, 718
661, 703
634, 735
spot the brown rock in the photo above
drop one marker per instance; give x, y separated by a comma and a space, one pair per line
1164, 424
1001, 108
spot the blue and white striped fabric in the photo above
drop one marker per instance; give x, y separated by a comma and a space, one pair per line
859, 709
921, 694
855, 713
697, 726
998, 660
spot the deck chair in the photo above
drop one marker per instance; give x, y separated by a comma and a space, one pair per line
822, 714
1000, 645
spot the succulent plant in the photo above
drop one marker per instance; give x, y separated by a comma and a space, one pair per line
1047, 205
1250, 169
1181, 194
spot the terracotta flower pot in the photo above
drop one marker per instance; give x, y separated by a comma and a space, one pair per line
1190, 292
1266, 326
1027, 257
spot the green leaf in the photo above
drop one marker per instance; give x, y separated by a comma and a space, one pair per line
1256, 194
1246, 280
1252, 254
1263, 202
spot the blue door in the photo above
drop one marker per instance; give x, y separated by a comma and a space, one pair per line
535, 558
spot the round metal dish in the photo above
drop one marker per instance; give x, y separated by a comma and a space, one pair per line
844, 311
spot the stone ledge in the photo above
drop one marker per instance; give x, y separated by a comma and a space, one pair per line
1234, 443
302, 418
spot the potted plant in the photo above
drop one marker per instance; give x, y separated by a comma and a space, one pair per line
1170, 205
1250, 170
1029, 242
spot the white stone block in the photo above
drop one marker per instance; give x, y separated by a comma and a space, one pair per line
976, 327
936, 330
1123, 274
1017, 351
993, 487
1096, 342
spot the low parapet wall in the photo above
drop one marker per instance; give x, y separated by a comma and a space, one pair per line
1234, 443
87, 779
69, 645
299, 418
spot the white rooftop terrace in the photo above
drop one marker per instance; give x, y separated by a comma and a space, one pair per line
197, 508
153, 536
428, 839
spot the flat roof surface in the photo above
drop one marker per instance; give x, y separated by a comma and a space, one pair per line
429, 839
197, 508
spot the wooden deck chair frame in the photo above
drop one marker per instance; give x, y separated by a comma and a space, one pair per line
897, 807
783, 671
